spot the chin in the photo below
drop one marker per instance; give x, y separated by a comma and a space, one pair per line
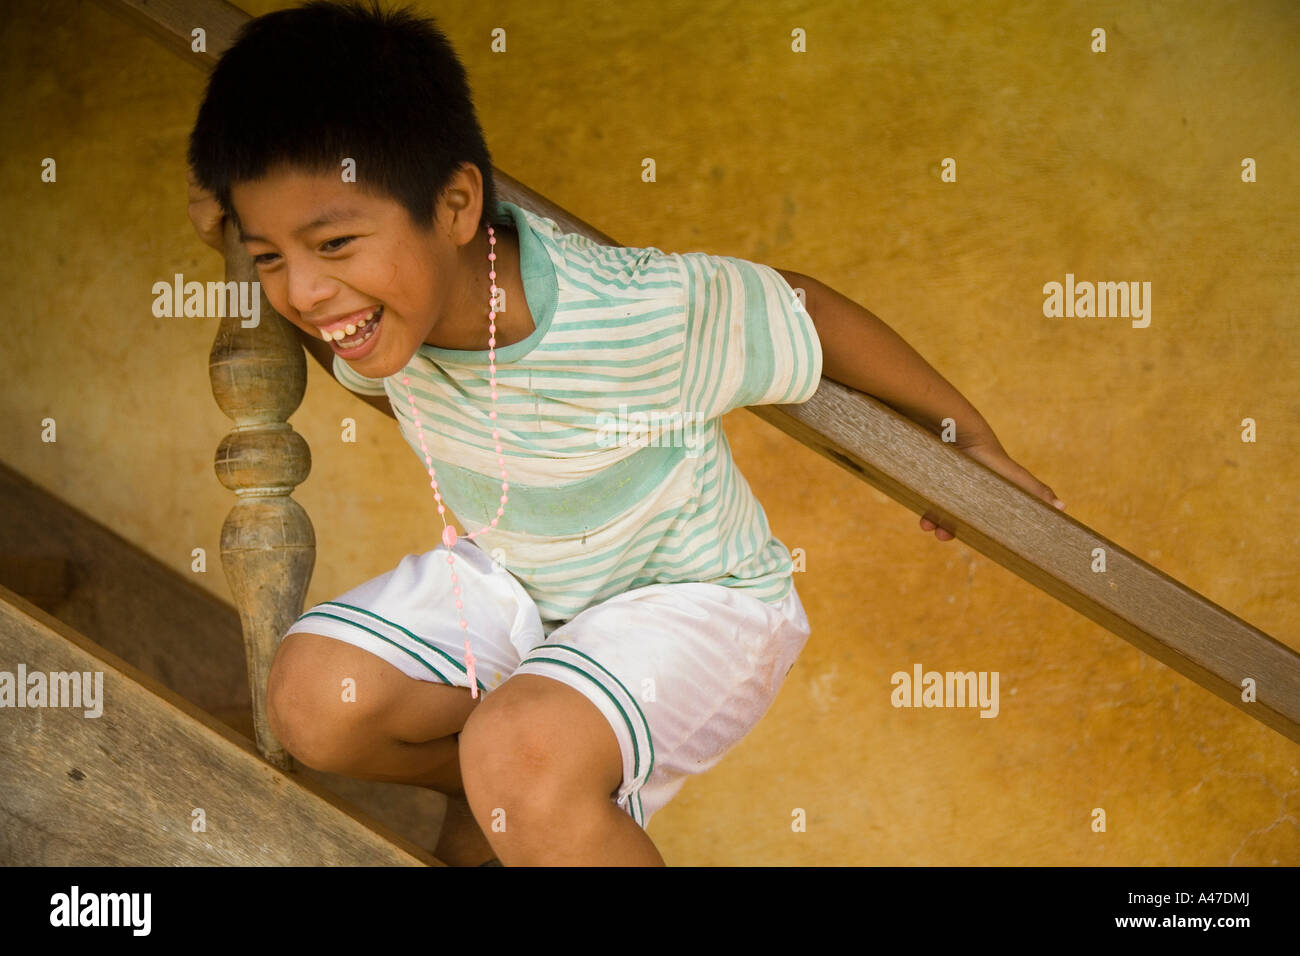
388, 367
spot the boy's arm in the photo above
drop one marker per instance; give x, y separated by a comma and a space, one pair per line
320, 350
862, 352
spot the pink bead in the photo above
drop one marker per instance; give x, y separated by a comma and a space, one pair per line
449, 535
492, 257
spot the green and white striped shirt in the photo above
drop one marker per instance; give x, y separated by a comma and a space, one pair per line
609, 417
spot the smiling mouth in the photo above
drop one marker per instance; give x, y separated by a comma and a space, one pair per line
361, 333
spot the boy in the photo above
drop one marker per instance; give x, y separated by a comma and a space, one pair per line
635, 617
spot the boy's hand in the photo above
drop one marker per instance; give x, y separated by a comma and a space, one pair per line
205, 212
988, 451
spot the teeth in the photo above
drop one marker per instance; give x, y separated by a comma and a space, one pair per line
365, 337
351, 329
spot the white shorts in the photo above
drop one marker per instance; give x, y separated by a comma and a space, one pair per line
682, 672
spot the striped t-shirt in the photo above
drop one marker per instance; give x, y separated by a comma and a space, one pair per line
620, 474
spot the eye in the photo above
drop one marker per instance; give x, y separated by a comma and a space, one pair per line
330, 245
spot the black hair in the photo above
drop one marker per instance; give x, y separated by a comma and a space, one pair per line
310, 86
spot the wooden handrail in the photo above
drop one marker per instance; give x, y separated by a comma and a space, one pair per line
1049, 549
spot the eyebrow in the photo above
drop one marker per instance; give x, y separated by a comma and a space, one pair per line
332, 215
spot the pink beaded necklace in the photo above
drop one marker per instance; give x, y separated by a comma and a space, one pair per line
449, 531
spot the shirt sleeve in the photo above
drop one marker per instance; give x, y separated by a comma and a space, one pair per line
355, 382
749, 341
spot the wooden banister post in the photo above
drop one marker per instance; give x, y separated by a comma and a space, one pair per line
268, 546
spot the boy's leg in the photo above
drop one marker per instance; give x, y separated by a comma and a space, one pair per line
374, 683
542, 768
343, 710
667, 677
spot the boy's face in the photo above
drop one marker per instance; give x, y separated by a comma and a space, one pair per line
329, 254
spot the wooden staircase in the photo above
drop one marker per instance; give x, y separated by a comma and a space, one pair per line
72, 590
155, 780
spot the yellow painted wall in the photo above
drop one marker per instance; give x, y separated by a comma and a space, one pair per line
1116, 166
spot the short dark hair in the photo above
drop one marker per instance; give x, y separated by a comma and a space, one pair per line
309, 86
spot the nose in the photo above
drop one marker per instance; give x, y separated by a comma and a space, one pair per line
308, 286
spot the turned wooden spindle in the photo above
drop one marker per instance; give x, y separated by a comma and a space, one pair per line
268, 546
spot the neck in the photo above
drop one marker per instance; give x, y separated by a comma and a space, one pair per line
513, 325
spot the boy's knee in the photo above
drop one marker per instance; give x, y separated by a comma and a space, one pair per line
310, 707
534, 751
505, 766
501, 739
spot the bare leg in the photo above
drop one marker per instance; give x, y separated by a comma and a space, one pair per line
588, 833
461, 842
546, 763
398, 729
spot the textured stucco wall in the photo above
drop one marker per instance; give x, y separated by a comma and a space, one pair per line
1115, 166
